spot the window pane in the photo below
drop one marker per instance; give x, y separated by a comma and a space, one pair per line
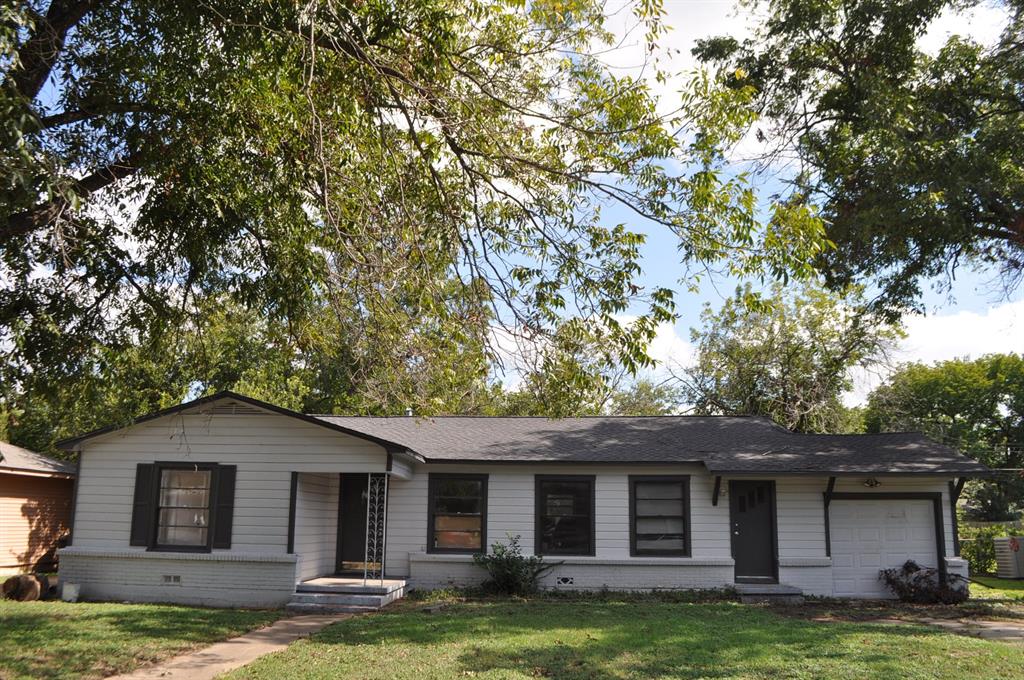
566, 535
184, 502
660, 543
192, 536
458, 507
659, 521
459, 487
184, 517
457, 522
659, 508
658, 525
566, 517
468, 540
184, 498
659, 490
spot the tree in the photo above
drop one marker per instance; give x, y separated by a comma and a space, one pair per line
241, 350
975, 406
645, 397
787, 356
913, 160
421, 167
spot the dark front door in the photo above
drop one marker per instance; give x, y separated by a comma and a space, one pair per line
352, 524
752, 522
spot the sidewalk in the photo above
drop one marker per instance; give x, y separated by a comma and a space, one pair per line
208, 663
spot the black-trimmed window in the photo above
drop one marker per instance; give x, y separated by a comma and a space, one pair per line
659, 516
565, 515
183, 507
457, 515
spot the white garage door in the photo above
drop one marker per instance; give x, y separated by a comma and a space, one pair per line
871, 535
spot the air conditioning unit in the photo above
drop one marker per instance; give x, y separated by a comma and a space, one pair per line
1010, 557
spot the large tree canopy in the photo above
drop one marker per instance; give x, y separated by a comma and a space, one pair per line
976, 406
429, 168
787, 356
913, 159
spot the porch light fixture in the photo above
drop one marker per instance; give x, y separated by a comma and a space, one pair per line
871, 483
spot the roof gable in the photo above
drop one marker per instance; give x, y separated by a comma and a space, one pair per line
226, 402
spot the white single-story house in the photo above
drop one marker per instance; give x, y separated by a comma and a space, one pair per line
231, 501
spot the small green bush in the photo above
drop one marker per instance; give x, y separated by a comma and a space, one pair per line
510, 572
978, 547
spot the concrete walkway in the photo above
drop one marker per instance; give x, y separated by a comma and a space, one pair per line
1004, 631
208, 663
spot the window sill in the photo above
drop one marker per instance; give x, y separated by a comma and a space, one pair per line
596, 561
143, 554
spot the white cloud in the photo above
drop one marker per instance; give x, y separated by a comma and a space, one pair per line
982, 24
959, 334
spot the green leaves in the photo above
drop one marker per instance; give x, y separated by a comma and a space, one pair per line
383, 184
786, 355
912, 160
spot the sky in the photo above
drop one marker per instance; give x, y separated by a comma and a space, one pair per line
973, 318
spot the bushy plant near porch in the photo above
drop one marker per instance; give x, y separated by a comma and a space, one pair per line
510, 572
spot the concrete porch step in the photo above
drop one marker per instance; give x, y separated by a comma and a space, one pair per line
344, 595
351, 586
769, 593
378, 601
307, 608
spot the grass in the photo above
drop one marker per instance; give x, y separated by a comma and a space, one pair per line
56, 640
630, 638
992, 588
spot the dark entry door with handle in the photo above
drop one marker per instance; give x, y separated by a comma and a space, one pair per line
752, 525
352, 524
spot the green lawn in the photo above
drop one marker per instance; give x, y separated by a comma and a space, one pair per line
627, 639
87, 640
992, 588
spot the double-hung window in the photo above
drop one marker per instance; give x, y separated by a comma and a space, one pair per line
565, 515
659, 508
457, 518
183, 508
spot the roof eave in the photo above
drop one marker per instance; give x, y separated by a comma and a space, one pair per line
74, 443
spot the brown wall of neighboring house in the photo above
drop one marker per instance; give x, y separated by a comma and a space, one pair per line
34, 513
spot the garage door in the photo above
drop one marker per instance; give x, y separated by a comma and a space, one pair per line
871, 535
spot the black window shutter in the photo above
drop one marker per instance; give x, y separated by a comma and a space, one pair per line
144, 505
225, 511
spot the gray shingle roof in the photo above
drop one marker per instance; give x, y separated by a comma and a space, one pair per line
16, 458
723, 444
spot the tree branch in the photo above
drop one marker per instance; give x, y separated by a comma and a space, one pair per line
90, 111
24, 222
39, 53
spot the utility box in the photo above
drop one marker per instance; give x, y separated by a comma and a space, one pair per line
1010, 557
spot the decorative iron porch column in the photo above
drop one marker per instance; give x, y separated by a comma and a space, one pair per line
376, 526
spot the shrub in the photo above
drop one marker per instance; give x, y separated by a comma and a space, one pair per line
978, 547
510, 572
914, 583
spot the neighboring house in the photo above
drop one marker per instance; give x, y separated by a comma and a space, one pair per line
231, 501
35, 509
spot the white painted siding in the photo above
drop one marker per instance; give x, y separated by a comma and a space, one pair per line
255, 571
266, 448
510, 508
316, 524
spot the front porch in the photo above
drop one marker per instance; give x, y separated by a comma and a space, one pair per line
341, 594
337, 531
